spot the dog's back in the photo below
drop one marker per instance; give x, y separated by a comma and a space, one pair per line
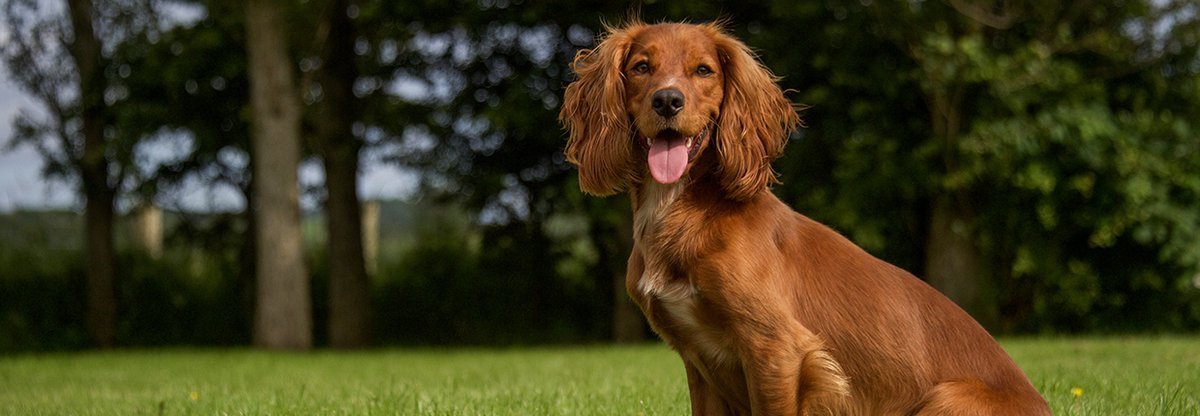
909, 343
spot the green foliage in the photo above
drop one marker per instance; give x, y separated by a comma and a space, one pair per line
1061, 129
41, 300
1099, 174
458, 285
1070, 131
187, 92
37, 53
436, 284
187, 297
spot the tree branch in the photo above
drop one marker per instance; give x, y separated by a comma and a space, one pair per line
996, 16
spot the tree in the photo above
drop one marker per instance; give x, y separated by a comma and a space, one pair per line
964, 141
78, 139
94, 171
283, 313
191, 83
498, 150
188, 88
1026, 116
336, 112
993, 76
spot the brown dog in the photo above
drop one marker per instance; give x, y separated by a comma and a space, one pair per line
773, 313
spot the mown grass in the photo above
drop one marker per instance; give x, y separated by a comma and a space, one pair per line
1117, 376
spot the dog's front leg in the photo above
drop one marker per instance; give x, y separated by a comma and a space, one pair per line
772, 378
790, 373
706, 400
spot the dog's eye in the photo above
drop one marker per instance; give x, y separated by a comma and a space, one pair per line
703, 70
641, 68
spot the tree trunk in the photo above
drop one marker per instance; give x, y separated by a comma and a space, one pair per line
629, 325
247, 283
93, 170
349, 287
283, 312
101, 258
952, 261
337, 110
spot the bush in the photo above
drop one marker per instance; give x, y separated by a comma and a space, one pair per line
181, 299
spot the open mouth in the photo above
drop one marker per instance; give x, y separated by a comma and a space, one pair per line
669, 152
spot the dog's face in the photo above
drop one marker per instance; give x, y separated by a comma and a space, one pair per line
673, 92
654, 98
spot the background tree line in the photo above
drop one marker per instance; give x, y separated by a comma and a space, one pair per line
1037, 162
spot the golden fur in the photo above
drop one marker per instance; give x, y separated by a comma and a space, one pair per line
772, 313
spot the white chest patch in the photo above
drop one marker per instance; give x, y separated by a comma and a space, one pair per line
654, 207
656, 203
685, 324
676, 295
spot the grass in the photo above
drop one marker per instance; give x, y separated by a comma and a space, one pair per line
1116, 376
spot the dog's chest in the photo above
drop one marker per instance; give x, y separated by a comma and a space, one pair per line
677, 309
681, 315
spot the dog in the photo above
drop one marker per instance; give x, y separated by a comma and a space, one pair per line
771, 312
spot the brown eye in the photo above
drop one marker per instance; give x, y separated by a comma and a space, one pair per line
641, 68
703, 70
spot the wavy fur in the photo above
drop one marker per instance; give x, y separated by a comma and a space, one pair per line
771, 312
593, 111
755, 121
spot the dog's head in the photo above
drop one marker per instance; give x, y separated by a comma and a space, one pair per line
656, 97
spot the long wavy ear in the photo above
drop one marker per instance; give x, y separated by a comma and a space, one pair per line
593, 111
754, 123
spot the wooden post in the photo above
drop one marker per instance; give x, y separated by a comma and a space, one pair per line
370, 235
146, 230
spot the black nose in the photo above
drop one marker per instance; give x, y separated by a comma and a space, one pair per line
667, 103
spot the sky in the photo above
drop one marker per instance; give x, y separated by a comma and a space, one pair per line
22, 185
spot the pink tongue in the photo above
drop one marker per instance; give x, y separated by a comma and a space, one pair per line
668, 158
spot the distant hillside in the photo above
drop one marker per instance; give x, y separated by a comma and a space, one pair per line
54, 229
62, 229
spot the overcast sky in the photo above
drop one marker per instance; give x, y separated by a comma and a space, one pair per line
22, 185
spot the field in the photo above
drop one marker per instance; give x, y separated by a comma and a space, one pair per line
1088, 376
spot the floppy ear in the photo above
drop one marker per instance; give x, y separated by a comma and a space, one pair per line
754, 123
593, 111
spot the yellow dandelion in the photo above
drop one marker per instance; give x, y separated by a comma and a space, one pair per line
194, 396
1076, 391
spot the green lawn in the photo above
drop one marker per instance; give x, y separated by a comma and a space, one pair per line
1118, 376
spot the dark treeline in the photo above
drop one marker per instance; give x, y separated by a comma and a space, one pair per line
1037, 162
